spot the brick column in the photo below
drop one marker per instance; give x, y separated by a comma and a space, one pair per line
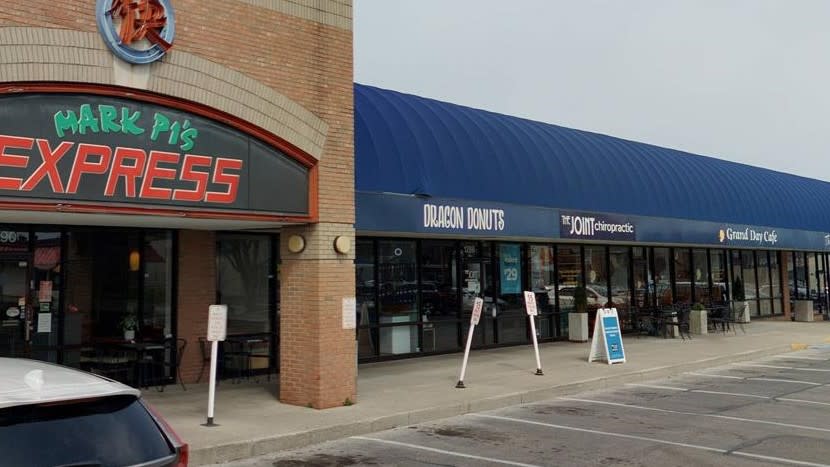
317, 355
196, 291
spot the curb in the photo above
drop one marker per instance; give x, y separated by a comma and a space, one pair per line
266, 445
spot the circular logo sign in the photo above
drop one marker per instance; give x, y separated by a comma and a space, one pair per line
137, 31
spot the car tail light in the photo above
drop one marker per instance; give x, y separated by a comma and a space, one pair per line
182, 448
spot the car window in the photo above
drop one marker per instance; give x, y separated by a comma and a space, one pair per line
110, 431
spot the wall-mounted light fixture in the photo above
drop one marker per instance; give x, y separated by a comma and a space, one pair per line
342, 244
296, 243
135, 260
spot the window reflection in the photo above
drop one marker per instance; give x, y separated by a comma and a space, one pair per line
440, 305
398, 293
662, 277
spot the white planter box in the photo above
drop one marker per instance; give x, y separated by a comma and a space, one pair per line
741, 310
699, 322
578, 327
803, 310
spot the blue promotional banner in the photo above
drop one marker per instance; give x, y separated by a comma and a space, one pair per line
613, 341
607, 341
510, 265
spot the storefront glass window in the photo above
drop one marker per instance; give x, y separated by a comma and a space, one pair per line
821, 281
570, 275
749, 279
477, 281
543, 284
16, 313
157, 319
244, 268
46, 299
398, 291
643, 293
682, 275
799, 289
720, 280
764, 284
440, 291
620, 284
700, 276
812, 274
662, 277
365, 291
775, 281
511, 316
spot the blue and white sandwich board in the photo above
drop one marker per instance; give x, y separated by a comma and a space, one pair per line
607, 334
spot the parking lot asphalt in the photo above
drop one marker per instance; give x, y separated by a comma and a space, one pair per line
768, 411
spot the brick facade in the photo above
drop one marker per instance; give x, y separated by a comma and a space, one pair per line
282, 65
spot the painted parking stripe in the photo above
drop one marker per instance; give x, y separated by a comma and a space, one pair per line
442, 451
654, 386
801, 401
736, 394
711, 375
650, 440
779, 380
777, 459
708, 415
758, 365
801, 357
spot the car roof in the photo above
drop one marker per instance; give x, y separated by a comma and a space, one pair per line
25, 382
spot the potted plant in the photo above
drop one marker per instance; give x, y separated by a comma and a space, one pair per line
739, 304
578, 320
128, 324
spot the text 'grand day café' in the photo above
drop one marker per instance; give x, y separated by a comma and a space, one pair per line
339, 222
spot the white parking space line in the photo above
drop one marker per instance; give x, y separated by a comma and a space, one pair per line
758, 365
710, 375
735, 394
652, 440
778, 380
777, 459
653, 386
801, 357
442, 451
720, 393
605, 433
696, 414
801, 401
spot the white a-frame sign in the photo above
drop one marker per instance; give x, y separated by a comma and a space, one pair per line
608, 336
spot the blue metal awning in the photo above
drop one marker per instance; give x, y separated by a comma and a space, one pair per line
410, 145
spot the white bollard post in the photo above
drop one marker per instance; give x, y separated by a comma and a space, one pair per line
477, 305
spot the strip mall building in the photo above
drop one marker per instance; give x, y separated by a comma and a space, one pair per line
224, 155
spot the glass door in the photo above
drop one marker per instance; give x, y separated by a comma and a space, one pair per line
16, 322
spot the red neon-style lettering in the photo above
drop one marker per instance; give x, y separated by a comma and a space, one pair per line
13, 160
84, 165
229, 180
129, 172
49, 167
153, 171
197, 177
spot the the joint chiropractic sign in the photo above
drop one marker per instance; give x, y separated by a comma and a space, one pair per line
596, 226
112, 150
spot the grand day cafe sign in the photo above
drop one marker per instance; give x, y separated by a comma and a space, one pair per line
99, 149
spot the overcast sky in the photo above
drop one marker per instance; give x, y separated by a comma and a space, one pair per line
747, 81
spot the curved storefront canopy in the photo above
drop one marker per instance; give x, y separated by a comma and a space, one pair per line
432, 150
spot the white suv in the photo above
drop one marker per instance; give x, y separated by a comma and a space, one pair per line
57, 416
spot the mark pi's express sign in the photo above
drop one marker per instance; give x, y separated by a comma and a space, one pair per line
105, 149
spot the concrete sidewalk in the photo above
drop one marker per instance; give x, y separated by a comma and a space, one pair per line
252, 422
